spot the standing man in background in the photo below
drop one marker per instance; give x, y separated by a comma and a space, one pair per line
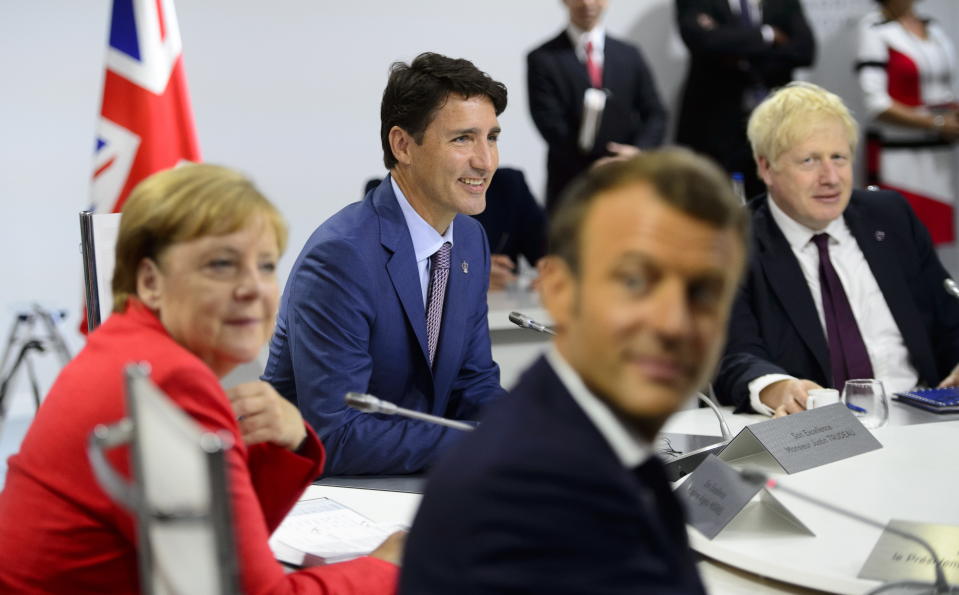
384, 299
562, 70
739, 50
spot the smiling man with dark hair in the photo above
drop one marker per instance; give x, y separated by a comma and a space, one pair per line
383, 299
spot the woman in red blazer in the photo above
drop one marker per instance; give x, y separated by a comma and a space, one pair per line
195, 294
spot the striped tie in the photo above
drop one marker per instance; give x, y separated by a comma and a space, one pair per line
439, 274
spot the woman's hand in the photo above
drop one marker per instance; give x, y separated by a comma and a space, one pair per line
265, 416
391, 550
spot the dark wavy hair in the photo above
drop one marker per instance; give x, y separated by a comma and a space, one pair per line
416, 91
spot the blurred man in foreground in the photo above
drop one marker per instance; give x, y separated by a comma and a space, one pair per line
558, 490
383, 298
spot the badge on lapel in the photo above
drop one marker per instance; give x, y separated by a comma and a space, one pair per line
465, 266
880, 235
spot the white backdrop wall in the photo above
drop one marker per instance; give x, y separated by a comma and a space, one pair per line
289, 92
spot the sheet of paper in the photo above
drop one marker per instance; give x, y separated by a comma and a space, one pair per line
323, 531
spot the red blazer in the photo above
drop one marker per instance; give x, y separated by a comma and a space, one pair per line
60, 533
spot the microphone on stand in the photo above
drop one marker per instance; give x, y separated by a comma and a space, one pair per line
520, 319
952, 288
710, 399
756, 477
370, 404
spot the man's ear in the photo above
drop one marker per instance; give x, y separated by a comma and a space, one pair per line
400, 142
149, 283
557, 289
764, 169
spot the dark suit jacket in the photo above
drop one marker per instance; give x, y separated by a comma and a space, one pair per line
536, 501
723, 62
774, 327
515, 224
557, 80
352, 319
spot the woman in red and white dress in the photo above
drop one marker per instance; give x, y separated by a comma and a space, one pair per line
905, 65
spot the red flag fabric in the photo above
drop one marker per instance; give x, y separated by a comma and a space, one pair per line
146, 123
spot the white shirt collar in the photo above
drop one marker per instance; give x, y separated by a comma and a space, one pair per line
426, 240
631, 449
798, 235
578, 38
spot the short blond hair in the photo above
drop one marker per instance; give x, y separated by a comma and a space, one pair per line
183, 204
785, 117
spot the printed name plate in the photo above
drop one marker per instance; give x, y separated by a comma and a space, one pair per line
895, 558
716, 494
803, 440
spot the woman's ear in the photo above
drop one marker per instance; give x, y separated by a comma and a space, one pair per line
149, 283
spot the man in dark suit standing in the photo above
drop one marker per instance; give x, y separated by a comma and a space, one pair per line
841, 284
562, 70
739, 50
558, 490
384, 298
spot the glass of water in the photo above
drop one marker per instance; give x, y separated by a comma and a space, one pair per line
868, 401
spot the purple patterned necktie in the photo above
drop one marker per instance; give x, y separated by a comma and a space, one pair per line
847, 352
439, 274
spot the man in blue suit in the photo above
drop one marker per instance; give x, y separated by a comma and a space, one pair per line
384, 298
841, 284
558, 490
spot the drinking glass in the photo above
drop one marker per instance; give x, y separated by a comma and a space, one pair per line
866, 398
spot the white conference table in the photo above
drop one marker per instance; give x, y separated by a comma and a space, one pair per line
758, 554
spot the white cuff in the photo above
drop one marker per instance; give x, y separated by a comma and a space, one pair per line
768, 34
757, 385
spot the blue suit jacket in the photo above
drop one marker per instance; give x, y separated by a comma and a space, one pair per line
352, 319
536, 501
774, 327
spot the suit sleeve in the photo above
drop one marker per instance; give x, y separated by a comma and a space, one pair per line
264, 482
331, 314
647, 104
943, 321
477, 382
531, 228
718, 40
871, 61
549, 113
746, 356
723, 40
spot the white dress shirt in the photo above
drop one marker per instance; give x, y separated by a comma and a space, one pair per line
631, 449
426, 240
579, 38
884, 344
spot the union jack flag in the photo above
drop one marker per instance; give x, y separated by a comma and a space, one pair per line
146, 124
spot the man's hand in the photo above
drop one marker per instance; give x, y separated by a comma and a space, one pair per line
391, 550
779, 38
952, 379
787, 396
501, 271
265, 416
